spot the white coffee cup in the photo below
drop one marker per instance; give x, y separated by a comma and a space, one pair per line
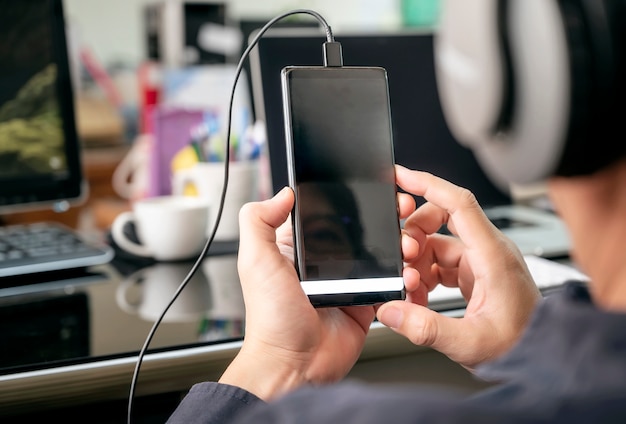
168, 227
207, 178
147, 292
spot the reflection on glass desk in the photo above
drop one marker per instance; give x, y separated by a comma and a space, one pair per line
72, 337
107, 311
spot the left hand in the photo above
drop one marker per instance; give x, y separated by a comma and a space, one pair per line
485, 265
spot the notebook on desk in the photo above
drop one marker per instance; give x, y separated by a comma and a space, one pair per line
421, 137
40, 159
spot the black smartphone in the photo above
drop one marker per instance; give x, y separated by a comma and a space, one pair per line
341, 167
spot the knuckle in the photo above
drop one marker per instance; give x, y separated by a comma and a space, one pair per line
247, 211
467, 197
422, 332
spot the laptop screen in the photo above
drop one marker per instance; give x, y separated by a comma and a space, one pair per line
421, 137
39, 149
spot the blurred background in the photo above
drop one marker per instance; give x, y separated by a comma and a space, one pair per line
143, 69
116, 29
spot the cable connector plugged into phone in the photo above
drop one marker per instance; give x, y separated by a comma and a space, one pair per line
333, 55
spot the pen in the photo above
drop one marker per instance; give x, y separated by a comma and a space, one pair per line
197, 148
199, 135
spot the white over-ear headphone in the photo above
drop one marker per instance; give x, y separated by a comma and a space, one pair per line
529, 84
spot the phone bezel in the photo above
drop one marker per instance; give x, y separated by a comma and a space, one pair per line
335, 292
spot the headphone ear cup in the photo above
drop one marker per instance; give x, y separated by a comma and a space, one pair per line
525, 147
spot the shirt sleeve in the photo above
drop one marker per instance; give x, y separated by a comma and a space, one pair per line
211, 402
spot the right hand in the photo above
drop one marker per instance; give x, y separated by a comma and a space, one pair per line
287, 341
487, 267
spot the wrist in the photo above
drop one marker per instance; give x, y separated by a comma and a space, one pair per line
265, 376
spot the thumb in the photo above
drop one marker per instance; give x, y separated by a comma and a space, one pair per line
258, 220
425, 327
257, 223
266, 214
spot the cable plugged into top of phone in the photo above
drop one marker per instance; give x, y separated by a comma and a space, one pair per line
333, 56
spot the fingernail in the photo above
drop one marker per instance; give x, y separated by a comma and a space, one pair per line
392, 317
283, 192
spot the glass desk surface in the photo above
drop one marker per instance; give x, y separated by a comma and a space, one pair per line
57, 319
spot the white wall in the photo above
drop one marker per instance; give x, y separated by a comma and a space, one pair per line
114, 28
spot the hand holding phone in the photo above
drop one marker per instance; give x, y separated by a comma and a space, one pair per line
341, 168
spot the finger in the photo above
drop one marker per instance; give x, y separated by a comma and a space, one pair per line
410, 247
406, 204
437, 252
459, 204
273, 211
427, 219
440, 261
411, 278
258, 222
416, 292
423, 326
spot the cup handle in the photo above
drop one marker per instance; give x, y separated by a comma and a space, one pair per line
120, 293
117, 233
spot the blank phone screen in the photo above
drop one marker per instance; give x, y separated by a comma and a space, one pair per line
341, 168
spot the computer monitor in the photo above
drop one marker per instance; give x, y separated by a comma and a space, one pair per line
249, 29
422, 139
40, 163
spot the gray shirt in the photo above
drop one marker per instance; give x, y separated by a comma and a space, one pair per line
569, 367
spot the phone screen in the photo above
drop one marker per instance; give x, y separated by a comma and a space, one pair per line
341, 167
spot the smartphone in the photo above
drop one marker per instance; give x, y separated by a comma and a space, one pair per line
341, 167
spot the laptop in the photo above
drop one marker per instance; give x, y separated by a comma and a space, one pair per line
422, 139
40, 149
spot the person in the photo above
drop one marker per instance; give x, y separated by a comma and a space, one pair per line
569, 365
554, 359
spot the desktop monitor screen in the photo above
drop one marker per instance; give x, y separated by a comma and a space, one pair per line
422, 139
39, 149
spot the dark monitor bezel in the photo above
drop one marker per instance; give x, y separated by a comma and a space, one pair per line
422, 139
45, 191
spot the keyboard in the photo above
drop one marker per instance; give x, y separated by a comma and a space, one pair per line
46, 246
